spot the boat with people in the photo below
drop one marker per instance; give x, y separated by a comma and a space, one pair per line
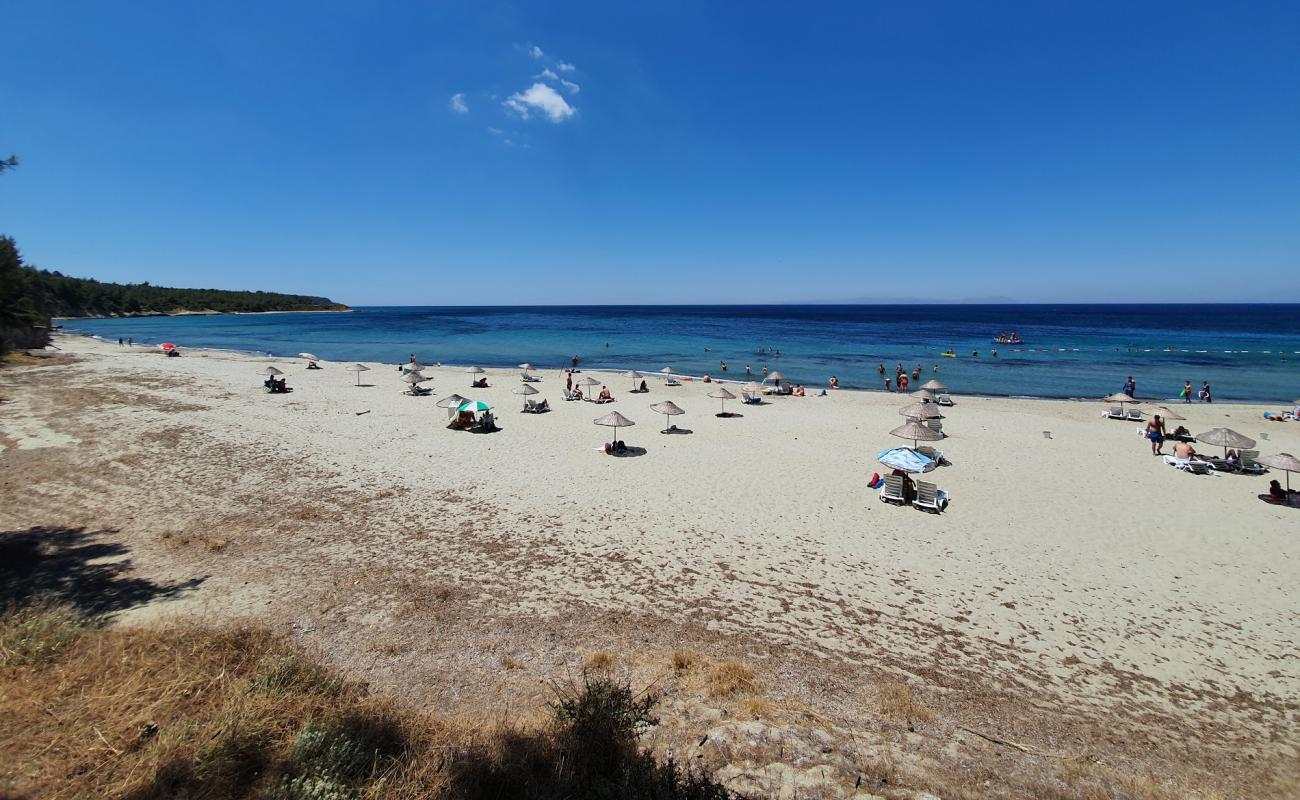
1003, 338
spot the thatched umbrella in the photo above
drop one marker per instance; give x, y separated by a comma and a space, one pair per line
1226, 437
669, 409
413, 378
1119, 398
924, 395
1283, 461
526, 366
614, 420
917, 432
451, 403
271, 371
775, 378
525, 390
590, 383
1165, 413
308, 356
722, 394
921, 411
413, 366
474, 371
358, 369
635, 376
934, 386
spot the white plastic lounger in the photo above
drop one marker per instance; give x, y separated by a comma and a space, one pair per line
944, 399
1116, 413
1188, 465
929, 498
892, 491
934, 425
1249, 463
929, 452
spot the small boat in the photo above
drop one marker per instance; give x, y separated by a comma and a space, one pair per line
948, 355
1008, 340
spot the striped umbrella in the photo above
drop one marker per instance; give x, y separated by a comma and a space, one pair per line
475, 406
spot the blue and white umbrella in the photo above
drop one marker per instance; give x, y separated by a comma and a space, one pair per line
906, 459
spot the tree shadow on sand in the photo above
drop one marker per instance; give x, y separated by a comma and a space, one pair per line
76, 567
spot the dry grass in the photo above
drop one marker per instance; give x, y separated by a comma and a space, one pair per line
897, 701
599, 661
731, 678
146, 713
510, 662
684, 660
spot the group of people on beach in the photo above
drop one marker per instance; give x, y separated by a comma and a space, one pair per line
900, 376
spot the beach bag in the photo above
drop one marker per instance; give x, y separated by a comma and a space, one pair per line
876, 481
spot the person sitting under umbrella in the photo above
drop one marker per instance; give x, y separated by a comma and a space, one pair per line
481, 383
604, 396
1276, 494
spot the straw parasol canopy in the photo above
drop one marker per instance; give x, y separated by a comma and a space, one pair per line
1165, 413
358, 369
722, 394
775, 377
614, 420
1225, 437
451, 401
752, 386
634, 376
934, 386
921, 411
924, 395
476, 370
413, 366
589, 382
669, 409
524, 389
1283, 461
917, 432
1120, 398
526, 366
271, 371
308, 356
413, 378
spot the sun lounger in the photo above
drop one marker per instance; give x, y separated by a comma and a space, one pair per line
929, 498
1116, 413
929, 452
527, 378
1249, 463
1217, 464
892, 491
751, 399
944, 399
934, 425
568, 395
672, 382
1134, 415
1188, 465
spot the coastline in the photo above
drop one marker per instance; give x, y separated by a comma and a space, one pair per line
651, 374
207, 313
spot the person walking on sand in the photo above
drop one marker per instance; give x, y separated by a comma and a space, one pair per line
1205, 393
1130, 386
130, 342
1156, 433
1187, 392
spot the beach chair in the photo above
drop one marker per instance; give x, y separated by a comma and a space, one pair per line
892, 491
929, 452
944, 399
1188, 465
1249, 464
1134, 415
672, 382
1116, 413
751, 399
528, 377
934, 425
929, 498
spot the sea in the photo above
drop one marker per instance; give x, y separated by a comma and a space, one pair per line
1245, 352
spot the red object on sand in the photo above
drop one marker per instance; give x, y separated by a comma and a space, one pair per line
167, 346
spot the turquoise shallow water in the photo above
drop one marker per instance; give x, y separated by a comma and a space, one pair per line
1244, 352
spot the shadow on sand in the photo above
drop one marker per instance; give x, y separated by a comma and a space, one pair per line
77, 567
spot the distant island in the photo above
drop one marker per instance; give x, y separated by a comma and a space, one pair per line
31, 297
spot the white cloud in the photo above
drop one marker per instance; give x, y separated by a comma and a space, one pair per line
535, 52
458, 103
570, 86
543, 98
546, 73
563, 67
495, 131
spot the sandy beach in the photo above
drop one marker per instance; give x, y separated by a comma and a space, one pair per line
1078, 593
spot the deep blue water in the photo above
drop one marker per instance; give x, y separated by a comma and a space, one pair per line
1246, 352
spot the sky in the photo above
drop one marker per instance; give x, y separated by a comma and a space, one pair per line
431, 153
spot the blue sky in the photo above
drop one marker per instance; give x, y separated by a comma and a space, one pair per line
561, 152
